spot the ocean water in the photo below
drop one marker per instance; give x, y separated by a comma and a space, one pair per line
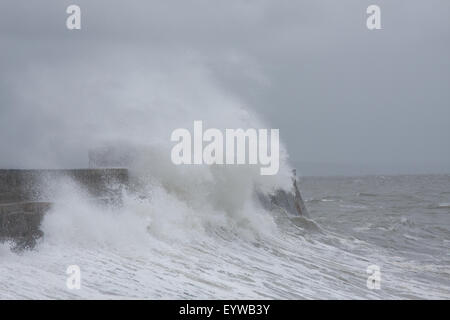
207, 238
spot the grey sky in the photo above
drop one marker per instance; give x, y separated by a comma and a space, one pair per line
346, 99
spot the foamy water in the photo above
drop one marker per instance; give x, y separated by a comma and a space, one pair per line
167, 246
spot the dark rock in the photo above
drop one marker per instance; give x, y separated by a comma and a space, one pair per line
291, 201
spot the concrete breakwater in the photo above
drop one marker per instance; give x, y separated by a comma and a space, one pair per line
25, 197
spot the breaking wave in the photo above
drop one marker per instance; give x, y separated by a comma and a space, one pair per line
181, 231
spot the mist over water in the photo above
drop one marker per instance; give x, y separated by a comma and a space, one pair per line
124, 100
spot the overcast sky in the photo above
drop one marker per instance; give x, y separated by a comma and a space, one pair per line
346, 99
